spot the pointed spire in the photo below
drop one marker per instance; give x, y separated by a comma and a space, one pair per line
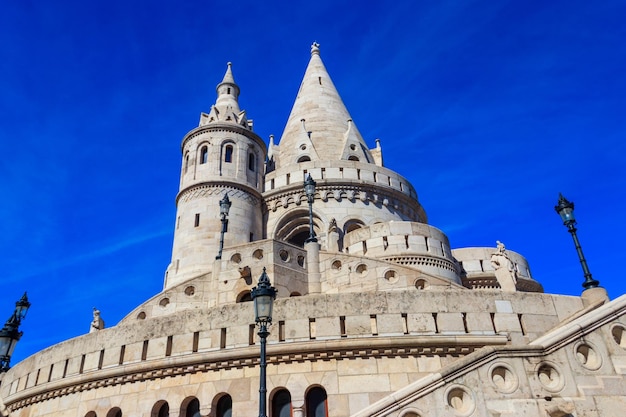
327, 124
226, 108
228, 77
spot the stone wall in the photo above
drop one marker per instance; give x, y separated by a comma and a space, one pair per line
221, 342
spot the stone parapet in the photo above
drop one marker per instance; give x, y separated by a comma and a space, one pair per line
311, 328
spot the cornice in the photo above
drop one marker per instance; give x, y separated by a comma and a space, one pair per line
353, 190
222, 127
205, 188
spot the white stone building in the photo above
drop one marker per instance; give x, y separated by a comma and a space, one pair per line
379, 317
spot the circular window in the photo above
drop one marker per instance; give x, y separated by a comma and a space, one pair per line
190, 290
284, 255
504, 379
421, 284
461, 400
236, 258
588, 356
391, 276
303, 147
361, 269
336, 265
619, 335
164, 302
353, 147
141, 315
550, 378
301, 260
258, 254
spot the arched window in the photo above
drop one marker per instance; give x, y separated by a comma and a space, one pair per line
204, 154
160, 409
352, 158
251, 162
228, 153
190, 408
304, 159
244, 297
114, 412
91, 414
224, 406
316, 404
281, 404
186, 162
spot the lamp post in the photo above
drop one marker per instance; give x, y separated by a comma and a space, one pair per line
10, 333
224, 208
566, 211
263, 296
309, 189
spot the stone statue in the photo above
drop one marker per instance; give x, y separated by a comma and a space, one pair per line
504, 268
97, 323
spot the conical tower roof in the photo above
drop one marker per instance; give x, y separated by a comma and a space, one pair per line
319, 126
226, 107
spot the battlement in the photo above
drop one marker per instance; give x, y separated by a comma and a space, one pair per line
224, 337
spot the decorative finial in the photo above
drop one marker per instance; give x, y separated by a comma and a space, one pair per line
315, 48
230, 64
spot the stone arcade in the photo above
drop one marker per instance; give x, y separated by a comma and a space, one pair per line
379, 317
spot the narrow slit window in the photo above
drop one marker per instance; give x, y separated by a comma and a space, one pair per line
168, 346
144, 351
204, 154
374, 325
196, 342
281, 331
196, 221
251, 162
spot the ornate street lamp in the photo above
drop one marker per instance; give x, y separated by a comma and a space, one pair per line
566, 211
224, 208
10, 333
309, 189
263, 296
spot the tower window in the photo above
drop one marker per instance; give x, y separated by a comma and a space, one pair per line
186, 161
228, 154
196, 222
204, 155
251, 162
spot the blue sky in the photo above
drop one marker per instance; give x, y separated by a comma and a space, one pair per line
490, 109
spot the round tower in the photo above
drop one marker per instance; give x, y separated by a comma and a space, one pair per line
222, 156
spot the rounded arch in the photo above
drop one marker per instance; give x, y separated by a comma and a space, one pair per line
203, 155
352, 224
114, 412
160, 409
223, 405
228, 148
316, 402
304, 158
190, 407
244, 297
280, 403
294, 227
353, 158
186, 162
91, 414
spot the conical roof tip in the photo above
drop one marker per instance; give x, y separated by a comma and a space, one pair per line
319, 122
228, 76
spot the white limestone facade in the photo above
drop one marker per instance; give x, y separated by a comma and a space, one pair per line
380, 317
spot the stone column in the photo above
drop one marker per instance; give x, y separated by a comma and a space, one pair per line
313, 266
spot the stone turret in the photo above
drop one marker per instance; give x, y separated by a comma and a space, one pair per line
221, 156
353, 188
